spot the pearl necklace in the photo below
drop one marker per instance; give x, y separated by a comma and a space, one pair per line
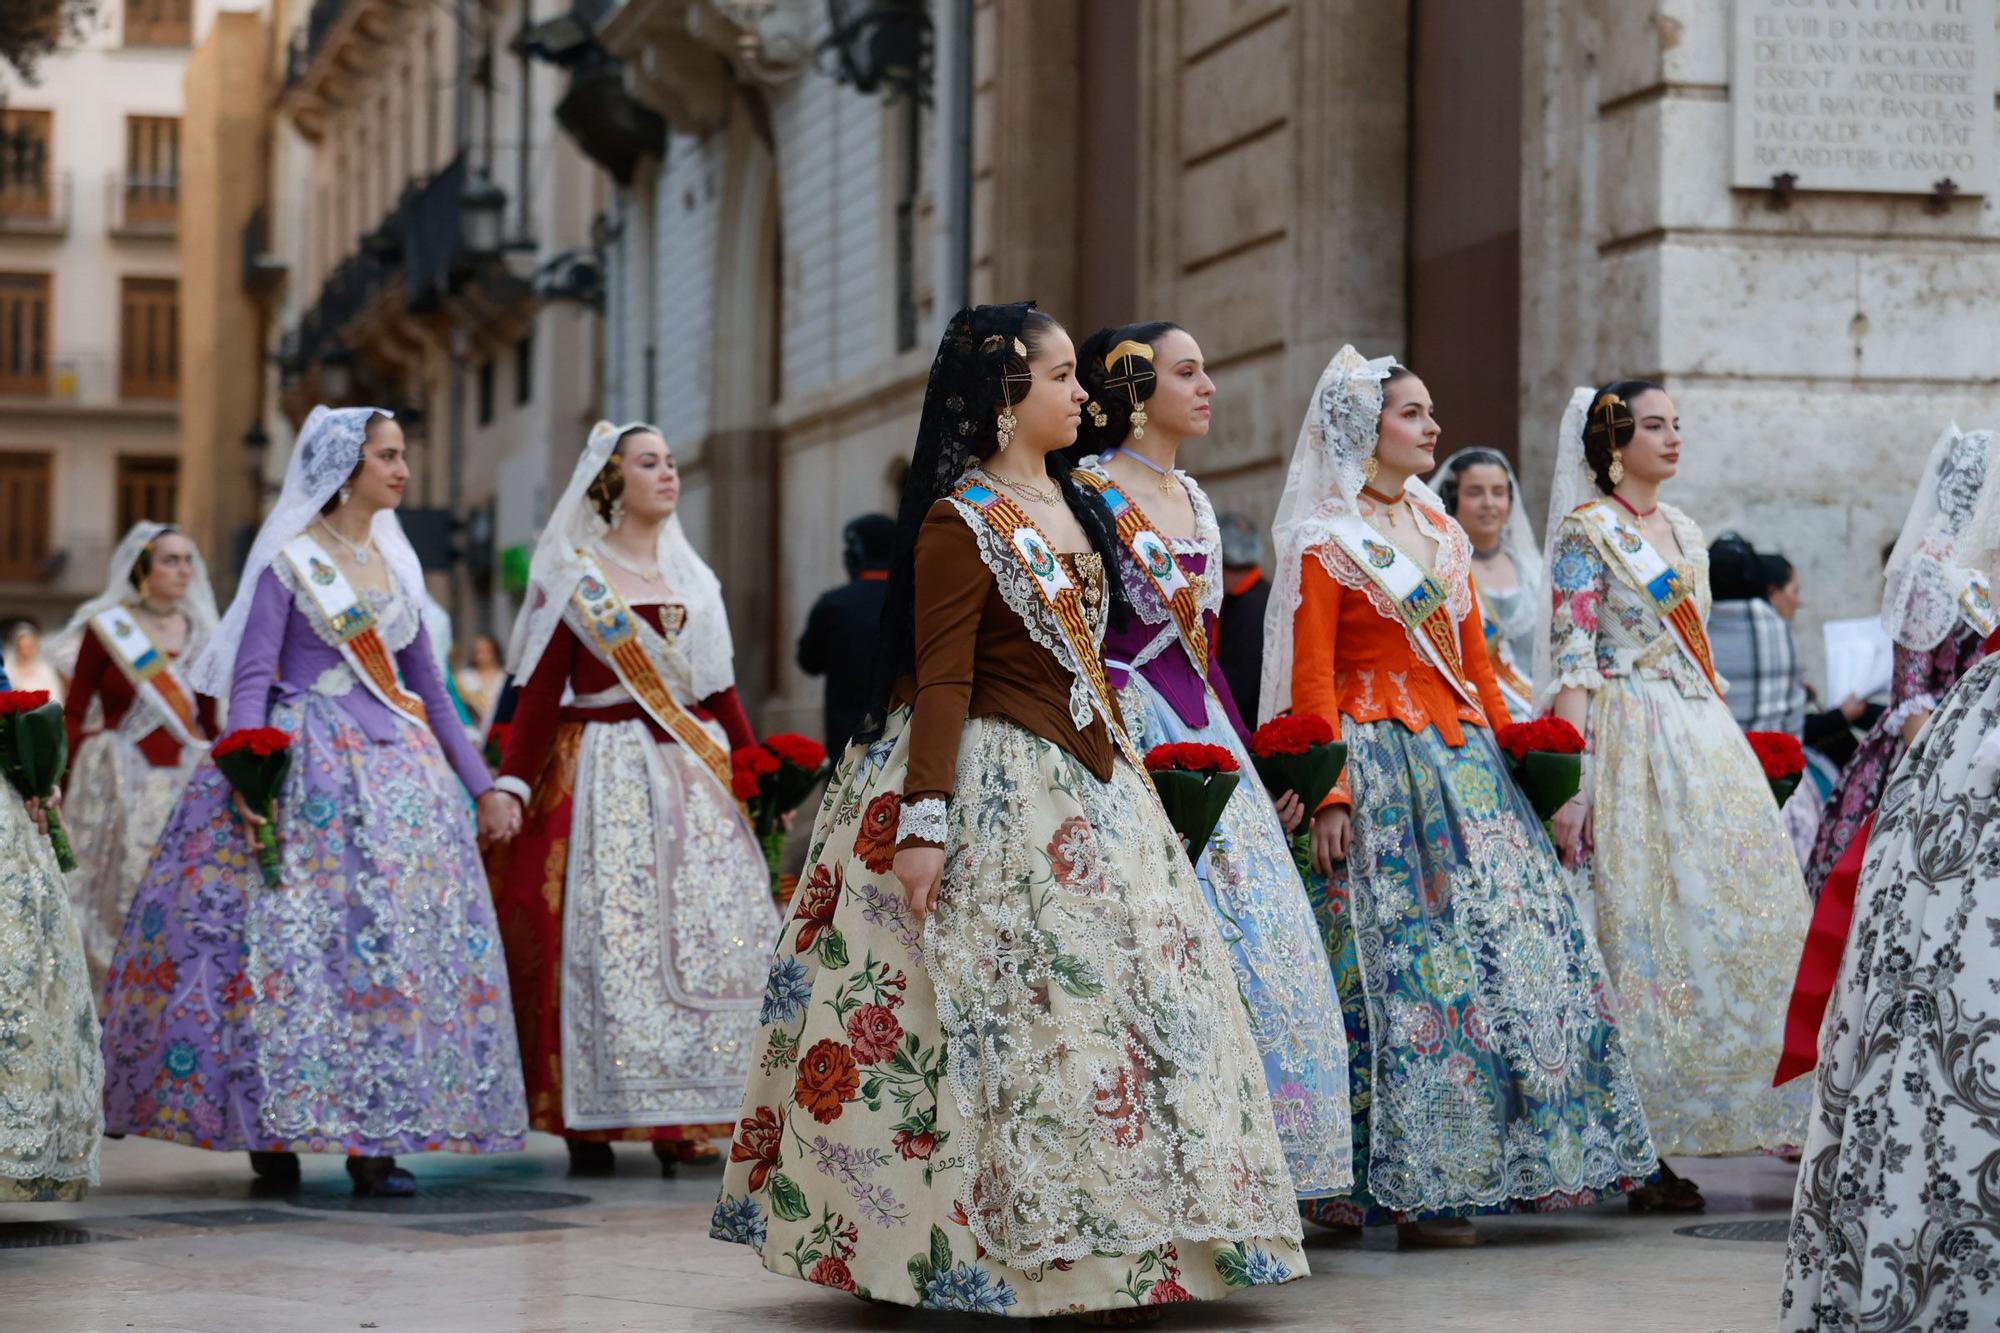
651, 575
360, 553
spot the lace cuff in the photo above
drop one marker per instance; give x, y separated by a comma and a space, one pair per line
1579, 678
1893, 720
514, 787
921, 823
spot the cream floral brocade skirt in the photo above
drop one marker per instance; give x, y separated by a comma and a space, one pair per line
1701, 913
115, 805
1046, 1097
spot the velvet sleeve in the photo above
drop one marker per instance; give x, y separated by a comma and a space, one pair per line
1315, 628
1479, 666
726, 707
537, 709
951, 588
91, 660
420, 673
256, 664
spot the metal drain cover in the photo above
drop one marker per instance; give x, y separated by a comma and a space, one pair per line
39, 1235
430, 1200
1768, 1232
223, 1217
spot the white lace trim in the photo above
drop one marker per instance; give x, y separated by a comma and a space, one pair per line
923, 820
1917, 703
395, 622
1139, 590
1454, 571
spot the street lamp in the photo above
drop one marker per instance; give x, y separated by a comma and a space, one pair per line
481, 207
881, 45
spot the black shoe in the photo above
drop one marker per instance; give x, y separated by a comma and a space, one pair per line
380, 1177
280, 1168
587, 1157
669, 1158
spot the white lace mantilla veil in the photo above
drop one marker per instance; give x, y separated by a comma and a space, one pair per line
324, 457
1517, 540
1572, 484
198, 602
1342, 423
1920, 592
552, 576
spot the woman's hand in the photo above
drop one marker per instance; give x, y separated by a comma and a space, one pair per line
243, 810
1332, 838
1913, 724
921, 869
40, 813
1573, 829
1852, 707
1291, 812
499, 817
786, 820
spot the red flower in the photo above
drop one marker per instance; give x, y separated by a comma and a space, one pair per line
1292, 734
759, 1142
832, 1272
22, 701
918, 1148
816, 906
1426, 1035
743, 784
827, 1080
260, 741
1073, 856
1123, 1103
1779, 754
875, 842
1167, 1291
748, 767
1544, 735
1190, 757
796, 750
875, 1033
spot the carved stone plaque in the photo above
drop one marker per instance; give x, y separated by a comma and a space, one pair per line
1888, 96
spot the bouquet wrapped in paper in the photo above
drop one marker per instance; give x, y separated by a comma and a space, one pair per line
771, 778
1782, 758
34, 751
1297, 753
1547, 757
256, 760
1194, 782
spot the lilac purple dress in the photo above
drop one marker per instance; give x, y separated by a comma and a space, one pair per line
1247, 873
360, 1005
1921, 679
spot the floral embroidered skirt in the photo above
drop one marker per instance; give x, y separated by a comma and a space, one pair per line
115, 804
360, 1005
1894, 1224
51, 1075
1487, 1073
636, 910
1260, 907
1701, 913
1044, 1098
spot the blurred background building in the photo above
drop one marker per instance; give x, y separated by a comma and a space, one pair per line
748, 219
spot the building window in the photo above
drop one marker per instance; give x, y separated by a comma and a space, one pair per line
26, 139
152, 170
486, 393
524, 371
159, 22
24, 333
149, 351
148, 488
26, 488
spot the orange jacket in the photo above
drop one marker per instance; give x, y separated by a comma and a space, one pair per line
1353, 660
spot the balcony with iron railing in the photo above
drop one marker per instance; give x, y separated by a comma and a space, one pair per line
35, 206
143, 207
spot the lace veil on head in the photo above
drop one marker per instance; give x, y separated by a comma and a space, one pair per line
198, 603
1517, 539
1338, 436
1950, 527
573, 525
1572, 484
325, 456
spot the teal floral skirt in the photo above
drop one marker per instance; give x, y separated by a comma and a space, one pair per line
1486, 1074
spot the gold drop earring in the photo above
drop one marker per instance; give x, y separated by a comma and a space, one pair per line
1368, 469
1097, 414
1005, 428
1617, 469
1139, 420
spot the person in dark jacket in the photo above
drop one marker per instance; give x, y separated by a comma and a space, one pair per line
845, 624
1240, 628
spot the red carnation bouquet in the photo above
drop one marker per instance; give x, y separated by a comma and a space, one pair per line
34, 751
1547, 758
1782, 758
1298, 753
771, 778
1194, 782
256, 760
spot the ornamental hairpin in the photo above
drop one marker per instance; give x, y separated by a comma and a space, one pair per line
1129, 366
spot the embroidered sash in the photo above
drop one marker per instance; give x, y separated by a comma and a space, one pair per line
612, 630
1647, 570
1418, 597
151, 672
1180, 594
353, 625
1060, 595
1514, 688
1975, 601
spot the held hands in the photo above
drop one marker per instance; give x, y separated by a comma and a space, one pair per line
1332, 838
921, 869
1574, 830
1291, 812
499, 817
